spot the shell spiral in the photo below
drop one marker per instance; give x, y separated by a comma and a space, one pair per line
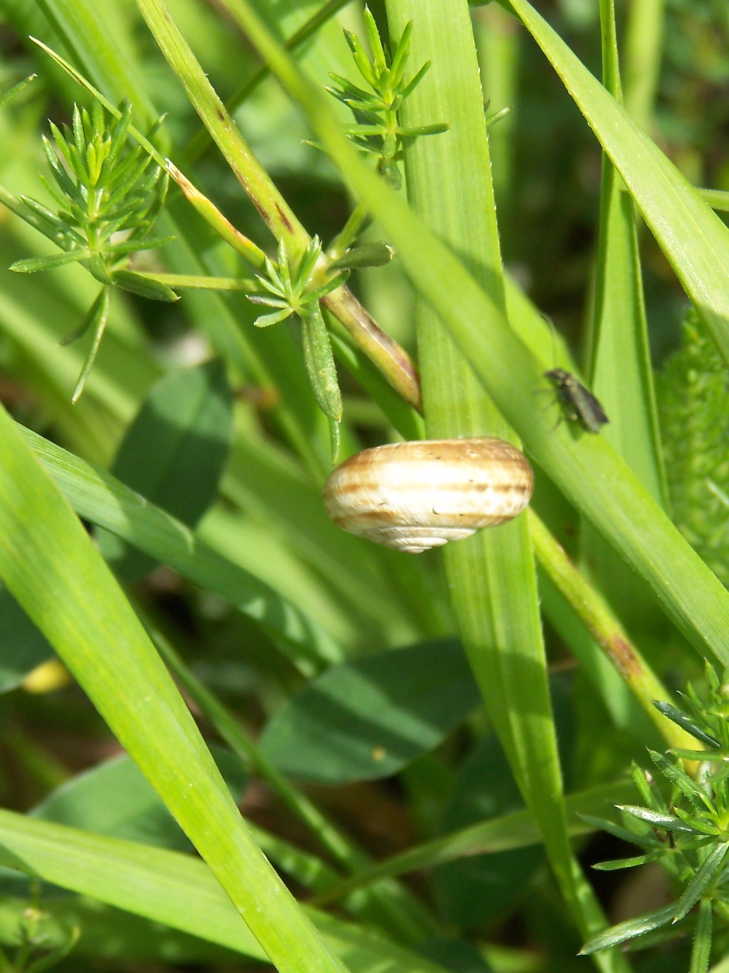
421, 494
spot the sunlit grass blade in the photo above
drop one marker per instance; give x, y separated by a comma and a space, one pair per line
50, 564
492, 575
620, 368
175, 889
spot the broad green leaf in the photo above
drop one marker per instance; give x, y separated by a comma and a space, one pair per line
692, 236
367, 719
174, 889
52, 568
173, 452
114, 799
456, 955
474, 888
22, 645
105, 501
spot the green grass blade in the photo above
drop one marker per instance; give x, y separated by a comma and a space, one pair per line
643, 50
518, 829
492, 575
105, 501
175, 889
620, 371
50, 565
693, 238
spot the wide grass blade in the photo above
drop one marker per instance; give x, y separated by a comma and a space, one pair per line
52, 568
177, 890
492, 575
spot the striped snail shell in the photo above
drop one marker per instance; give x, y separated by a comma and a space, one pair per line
416, 495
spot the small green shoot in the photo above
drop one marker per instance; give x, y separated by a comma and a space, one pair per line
684, 825
375, 107
292, 289
107, 199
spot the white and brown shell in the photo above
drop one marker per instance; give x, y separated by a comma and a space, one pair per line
416, 495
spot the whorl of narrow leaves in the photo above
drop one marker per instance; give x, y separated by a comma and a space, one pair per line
294, 288
102, 189
375, 107
108, 196
693, 399
684, 823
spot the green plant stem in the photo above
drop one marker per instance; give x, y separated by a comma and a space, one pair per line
643, 50
271, 205
201, 282
605, 628
212, 215
296, 419
349, 232
202, 141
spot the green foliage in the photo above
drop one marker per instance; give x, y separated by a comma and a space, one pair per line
101, 188
285, 634
694, 407
683, 823
292, 289
379, 131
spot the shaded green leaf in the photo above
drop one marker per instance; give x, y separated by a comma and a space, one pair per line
22, 645
173, 452
115, 799
366, 719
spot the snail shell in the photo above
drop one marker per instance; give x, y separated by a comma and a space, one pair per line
416, 495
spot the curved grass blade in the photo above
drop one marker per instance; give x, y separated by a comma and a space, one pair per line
52, 568
175, 889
